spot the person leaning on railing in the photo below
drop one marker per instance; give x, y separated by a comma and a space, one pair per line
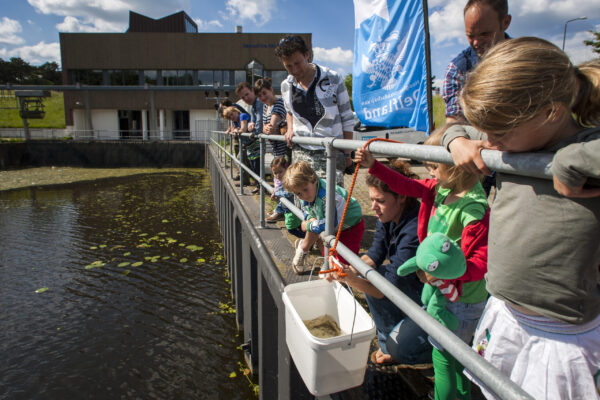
541, 326
317, 105
400, 339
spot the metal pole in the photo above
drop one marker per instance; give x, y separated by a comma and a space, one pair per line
428, 66
565, 31
262, 179
330, 194
489, 376
231, 152
240, 157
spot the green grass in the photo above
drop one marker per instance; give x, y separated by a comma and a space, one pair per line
54, 118
439, 111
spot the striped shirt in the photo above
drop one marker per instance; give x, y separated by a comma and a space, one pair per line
279, 148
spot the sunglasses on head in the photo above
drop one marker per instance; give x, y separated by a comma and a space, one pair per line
289, 39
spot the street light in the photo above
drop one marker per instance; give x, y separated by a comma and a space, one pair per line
565, 32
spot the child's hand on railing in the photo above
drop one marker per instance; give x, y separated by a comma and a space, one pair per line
364, 157
466, 154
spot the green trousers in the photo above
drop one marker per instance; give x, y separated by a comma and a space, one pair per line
450, 383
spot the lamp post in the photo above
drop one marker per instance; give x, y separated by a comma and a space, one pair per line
565, 32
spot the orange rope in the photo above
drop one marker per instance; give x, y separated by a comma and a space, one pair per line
332, 250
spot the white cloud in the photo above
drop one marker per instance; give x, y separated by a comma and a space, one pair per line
447, 24
257, 11
37, 54
104, 15
337, 58
72, 24
206, 25
8, 31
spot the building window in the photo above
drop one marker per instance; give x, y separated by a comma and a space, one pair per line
185, 78
228, 79
205, 78
131, 77
240, 76
150, 77
86, 77
115, 77
169, 78
278, 77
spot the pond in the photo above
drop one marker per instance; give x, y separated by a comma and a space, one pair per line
117, 289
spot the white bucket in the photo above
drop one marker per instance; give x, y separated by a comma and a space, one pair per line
327, 365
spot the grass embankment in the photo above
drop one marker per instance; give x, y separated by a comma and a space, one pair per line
439, 111
54, 107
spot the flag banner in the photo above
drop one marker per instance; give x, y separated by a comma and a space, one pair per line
389, 75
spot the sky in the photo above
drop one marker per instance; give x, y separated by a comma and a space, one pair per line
29, 28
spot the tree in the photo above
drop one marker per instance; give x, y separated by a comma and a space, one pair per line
49, 72
595, 42
348, 83
20, 72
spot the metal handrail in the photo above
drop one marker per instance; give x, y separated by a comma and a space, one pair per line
536, 165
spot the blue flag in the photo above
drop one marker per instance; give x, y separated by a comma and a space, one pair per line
389, 87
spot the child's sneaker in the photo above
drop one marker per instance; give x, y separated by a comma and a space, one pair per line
299, 257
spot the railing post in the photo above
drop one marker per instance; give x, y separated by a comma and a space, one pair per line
330, 151
240, 157
221, 155
262, 179
231, 152
224, 153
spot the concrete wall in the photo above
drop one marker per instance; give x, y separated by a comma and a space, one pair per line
101, 154
106, 123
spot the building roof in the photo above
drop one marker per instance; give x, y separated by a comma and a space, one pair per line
178, 22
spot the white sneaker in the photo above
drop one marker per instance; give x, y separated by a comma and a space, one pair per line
299, 257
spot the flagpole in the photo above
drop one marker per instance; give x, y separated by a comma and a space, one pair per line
428, 65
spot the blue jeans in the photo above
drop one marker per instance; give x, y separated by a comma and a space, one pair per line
280, 208
299, 233
399, 336
468, 317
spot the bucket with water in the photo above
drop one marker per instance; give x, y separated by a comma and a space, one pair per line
333, 364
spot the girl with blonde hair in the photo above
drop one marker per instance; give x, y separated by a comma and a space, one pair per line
453, 203
541, 327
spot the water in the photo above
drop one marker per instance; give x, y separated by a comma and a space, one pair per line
108, 327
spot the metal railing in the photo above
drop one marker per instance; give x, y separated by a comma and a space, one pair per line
200, 135
529, 164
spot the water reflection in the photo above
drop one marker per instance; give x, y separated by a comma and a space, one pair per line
135, 279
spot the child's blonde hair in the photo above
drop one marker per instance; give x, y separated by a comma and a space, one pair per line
229, 112
519, 78
298, 175
458, 178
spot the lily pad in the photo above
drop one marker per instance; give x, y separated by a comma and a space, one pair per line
128, 253
183, 260
137, 264
201, 260
41, 290
123, 264
164, 221
95, 264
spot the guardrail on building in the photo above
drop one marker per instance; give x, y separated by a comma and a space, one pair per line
266, 274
